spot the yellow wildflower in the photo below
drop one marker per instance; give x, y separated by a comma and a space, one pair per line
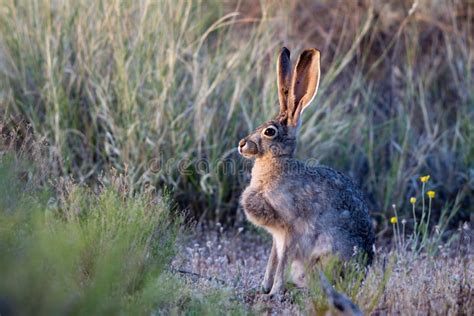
413, 200
431, 194
424, 179
393, 220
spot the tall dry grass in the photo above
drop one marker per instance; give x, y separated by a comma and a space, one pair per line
164, 90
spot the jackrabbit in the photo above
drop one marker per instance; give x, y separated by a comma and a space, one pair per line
311, 212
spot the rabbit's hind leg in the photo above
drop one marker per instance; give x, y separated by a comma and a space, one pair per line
298, 275
298, 270
322, 250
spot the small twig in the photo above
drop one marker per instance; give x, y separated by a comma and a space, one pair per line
338, 300
197, 275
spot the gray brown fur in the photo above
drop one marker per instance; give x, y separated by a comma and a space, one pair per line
311, 212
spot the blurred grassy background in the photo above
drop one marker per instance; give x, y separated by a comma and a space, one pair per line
154, 89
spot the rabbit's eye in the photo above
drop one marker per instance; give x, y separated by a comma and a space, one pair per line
270, 132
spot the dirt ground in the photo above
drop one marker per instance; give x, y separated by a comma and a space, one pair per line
234, 259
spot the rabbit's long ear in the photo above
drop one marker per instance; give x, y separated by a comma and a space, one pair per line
284, 78
304, 84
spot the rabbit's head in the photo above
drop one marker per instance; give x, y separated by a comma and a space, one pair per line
277, 137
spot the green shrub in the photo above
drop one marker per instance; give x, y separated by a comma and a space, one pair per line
87, 254
74, 251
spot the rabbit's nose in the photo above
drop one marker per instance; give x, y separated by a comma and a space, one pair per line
242, 143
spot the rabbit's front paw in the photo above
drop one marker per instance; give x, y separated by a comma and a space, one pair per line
277, 290
278, 296
266, 286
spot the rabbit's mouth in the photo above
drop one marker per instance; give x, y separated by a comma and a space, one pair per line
247, 148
